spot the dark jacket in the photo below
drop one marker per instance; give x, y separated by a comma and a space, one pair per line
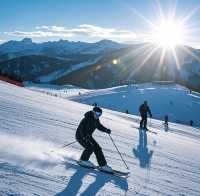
144, 109
88, 124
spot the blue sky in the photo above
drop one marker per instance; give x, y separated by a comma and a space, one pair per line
90, 20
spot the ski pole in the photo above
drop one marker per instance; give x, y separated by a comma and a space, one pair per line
65, 145
68, 144
150, 122
118, 151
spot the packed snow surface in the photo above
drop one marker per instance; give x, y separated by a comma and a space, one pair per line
34, 126
173, 100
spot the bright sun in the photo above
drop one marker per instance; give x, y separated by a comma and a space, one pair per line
168, 34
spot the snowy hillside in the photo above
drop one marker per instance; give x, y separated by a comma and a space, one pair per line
169, 99
172, 100
64, 91
62, 72
34, 125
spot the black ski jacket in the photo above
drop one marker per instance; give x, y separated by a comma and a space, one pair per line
88, 124
144, 109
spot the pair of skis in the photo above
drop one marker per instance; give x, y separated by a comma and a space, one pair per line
114, 172
148, 130
152, 131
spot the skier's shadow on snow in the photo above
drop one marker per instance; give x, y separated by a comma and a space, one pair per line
142, 152
76, 181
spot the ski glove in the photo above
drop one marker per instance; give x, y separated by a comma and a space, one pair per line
108, 131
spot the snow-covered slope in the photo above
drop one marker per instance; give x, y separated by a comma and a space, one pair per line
64, 91
164, 99
34, 125
172, 100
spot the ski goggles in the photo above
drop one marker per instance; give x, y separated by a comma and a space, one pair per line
98, 114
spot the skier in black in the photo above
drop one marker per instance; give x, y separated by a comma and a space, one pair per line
166, 117
144, 109
166, 120
84, 136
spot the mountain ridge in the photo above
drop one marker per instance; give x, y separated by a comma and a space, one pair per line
117, 63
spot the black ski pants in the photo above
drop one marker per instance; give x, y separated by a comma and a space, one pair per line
143, 122
91, 146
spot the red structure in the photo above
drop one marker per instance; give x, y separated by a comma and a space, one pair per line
3, 78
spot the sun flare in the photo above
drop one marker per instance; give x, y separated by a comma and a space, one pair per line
167, 38
168, 34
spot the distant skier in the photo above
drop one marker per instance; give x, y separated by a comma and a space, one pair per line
94, 104
84, 136
144, 109
166, 119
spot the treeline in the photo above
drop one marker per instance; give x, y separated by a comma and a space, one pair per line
11, 76
190, 87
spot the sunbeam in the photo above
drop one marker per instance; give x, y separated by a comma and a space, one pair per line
168, 33
191, 53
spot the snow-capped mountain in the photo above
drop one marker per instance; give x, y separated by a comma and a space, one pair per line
102, 64
35, 126
18, 46
103, 45
59, 48
132, 66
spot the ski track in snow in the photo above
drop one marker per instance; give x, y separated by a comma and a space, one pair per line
33, 127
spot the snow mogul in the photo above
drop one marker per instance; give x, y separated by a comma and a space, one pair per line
84, 132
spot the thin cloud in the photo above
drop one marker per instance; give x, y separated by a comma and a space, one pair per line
85, 30
1, 40
38, 34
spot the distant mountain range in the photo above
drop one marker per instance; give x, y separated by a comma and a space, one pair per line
98, 65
